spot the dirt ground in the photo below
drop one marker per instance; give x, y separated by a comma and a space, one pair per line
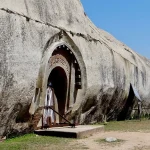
128, 141
131, 135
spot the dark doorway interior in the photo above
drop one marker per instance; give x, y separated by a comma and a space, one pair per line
126, 112
58, 79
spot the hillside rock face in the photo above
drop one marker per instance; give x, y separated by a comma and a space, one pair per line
33, 36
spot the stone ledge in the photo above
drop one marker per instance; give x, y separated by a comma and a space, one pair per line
81, 131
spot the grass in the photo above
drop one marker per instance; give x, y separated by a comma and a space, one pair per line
33, 142
129, 126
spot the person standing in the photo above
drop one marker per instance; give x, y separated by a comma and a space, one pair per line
48, 116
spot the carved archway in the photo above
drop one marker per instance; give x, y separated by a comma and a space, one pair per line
65, 66
61, 51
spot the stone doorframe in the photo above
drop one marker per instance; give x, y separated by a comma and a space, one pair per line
61, 39
47, 67
59, 61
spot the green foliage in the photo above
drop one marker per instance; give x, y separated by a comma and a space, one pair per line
34, 142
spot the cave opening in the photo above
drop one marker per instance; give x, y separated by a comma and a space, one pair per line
128, 107
58, 79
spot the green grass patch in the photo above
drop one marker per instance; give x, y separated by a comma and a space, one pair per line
128, 126
33, 142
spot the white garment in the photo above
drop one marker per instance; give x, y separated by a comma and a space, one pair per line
49, 101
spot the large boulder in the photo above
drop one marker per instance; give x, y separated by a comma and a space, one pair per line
30, 31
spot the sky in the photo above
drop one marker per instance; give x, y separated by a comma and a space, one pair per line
126, 20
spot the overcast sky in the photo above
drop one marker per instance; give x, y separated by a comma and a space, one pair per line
127, 20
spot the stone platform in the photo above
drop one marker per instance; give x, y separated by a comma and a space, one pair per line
80, 131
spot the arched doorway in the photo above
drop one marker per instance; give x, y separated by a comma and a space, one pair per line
65, 75
58, 79
60, 59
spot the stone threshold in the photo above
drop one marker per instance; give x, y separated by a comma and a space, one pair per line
81, 131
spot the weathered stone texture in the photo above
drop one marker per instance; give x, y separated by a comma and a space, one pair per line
25, 28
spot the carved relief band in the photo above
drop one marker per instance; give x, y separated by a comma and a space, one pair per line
59, 60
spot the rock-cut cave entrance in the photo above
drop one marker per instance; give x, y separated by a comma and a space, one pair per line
65, 76
58, 79
63, 66
133, 98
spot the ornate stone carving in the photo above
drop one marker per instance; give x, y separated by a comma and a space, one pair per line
59, 60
